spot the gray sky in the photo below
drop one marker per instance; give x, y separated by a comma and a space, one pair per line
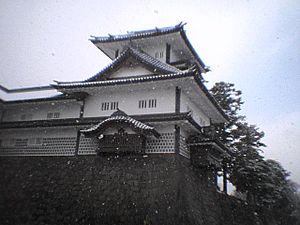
253, 44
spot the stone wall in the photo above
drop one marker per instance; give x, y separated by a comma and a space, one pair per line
136, 189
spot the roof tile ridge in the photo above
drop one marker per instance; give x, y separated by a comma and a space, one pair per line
138, 34
155, 62
110, 65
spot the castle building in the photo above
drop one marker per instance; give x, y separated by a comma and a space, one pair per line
150, 99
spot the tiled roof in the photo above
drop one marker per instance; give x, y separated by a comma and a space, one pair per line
121, 118
152, 33
136, 79
141, 57
138, 34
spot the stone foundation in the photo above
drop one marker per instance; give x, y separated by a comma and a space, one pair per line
136, 189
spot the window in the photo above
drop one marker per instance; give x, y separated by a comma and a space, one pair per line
52, 115
113, 105
49, 115
109, 106
159, 54
151, 103
56, 115
105, 106
142, 104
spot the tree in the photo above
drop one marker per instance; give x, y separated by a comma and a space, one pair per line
242, 138
230, 101
265, 182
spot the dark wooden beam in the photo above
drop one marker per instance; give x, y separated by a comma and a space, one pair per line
82, 109
225, 179
177, 139
116, 53
77, 142
177, 99
168, 53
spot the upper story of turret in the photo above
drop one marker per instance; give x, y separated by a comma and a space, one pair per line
169, 45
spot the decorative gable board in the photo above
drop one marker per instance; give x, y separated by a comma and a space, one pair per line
131, 57
130, 68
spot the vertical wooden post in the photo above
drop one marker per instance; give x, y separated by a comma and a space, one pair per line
81, 109
177, 99
225, 178
77, 142
177, 139
168, 53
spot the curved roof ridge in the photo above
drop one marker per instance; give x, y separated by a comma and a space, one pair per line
120, 117
138, 34
154, 62
140, 56
125, 80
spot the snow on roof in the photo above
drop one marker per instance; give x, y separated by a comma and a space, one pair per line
136, 79
138, 34
120, 117
141, 57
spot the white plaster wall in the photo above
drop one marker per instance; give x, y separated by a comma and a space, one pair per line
186, 105
160, 47
39, 110
28, 133
175, 55
184, 133
38, 132
127, 71
129, 102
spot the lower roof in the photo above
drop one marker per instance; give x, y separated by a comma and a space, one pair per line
90, 121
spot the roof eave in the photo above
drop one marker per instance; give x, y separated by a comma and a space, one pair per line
203, 67
211, 98
133, 36
139, 79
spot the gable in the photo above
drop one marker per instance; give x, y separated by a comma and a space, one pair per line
130, 68
130, 59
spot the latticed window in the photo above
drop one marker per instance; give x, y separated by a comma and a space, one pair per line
52, 115
113, 105
151, 103
56, 115
49, 115
109, 106
159, 54
142, 104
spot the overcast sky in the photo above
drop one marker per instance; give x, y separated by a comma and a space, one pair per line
253, 44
